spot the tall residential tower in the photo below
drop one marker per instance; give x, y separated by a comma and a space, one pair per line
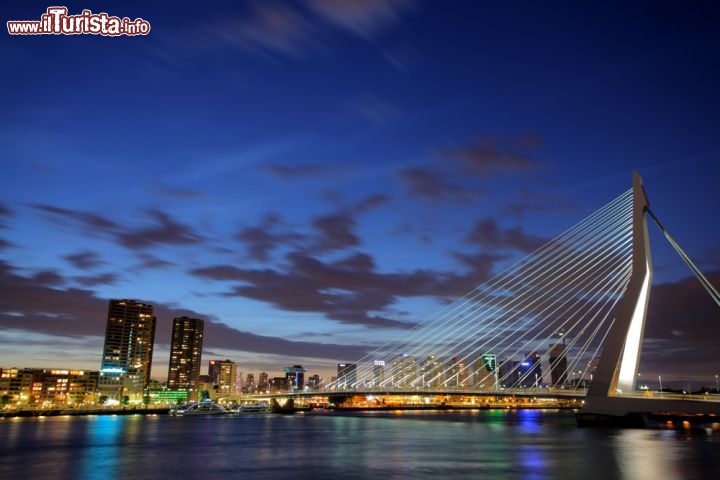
127, 354
185, 355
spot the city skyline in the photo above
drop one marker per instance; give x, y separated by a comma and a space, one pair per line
314, 178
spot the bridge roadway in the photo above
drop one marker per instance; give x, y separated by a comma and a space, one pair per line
399, 398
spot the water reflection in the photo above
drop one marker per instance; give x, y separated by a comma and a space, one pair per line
419, 445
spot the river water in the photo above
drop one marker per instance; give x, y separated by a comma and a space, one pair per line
523, 444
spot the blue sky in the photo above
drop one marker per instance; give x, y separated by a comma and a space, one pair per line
315, 177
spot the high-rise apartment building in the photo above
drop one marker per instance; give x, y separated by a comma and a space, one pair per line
185, 355
223, 374
127, 354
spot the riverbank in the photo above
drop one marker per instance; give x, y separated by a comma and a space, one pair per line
81, 412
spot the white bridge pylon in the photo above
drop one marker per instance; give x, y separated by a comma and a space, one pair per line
618, 366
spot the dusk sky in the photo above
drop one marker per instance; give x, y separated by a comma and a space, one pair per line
315, 177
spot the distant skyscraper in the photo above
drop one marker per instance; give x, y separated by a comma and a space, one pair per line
263, 381
378, 372
404, 371
558, 364
185, 355
295, 377
347, 375
127, 354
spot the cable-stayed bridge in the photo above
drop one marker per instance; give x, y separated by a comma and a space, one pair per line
568, 318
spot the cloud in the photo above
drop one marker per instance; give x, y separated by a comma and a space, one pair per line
349, 290
488, 234
176, 192
263, 239
90, 221
529, 201
487, 159
375, 110
161, 228
5, 212
276, 30
35, 305
95, 280
148, 261
84, 260
268, 28
293, 172
366, 18
436, 185
336, 231
681, 331
163, 231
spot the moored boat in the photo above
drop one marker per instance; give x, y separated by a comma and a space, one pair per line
199, 408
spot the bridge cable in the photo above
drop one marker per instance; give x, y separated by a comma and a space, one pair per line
698, 274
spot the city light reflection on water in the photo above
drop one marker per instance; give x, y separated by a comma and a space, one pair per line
415, 444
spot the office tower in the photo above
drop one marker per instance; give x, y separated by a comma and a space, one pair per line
223, 374
185, 355
127, 354
347, 375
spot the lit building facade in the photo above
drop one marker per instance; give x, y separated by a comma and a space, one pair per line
223, 375
127, 353
48, 388
185, 355
295, 377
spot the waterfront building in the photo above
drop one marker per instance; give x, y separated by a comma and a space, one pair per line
48, 388
185, 355
127, 352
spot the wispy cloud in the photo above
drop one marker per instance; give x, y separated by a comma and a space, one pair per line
487, 159
294, 172
84, 260
436, 184
366, 18
159, 228
488, 234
